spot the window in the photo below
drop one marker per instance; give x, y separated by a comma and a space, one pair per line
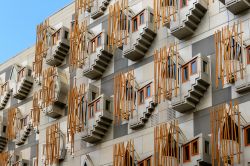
195, 147
97, 106
247, 136
248, 55
141, 93
148, 91
206, 147
93, 46
99, 41
135, 26
145, 162
66, 34
93, 96
91, 113
204, 67
186, 153
185, 75
4, 129
142, 18
148, 162
184, 3
194, 67
151, 17
107, 105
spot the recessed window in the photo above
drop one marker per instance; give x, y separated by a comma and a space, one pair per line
151, 17
91, 111
142, 18
247, 136
66, 34
4, 129
185, 75
107, 105
206, 147
195, 147
204, 67
148, 91
145, 162
135, 25
194, 67
93, 95
184, 3
99, 41
186, 153
97, 106
248, 55
141, 93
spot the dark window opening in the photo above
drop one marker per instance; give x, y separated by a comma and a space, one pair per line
66, 34
107, 105
4, 129
206, 147
195, 147
141, 93
230, 135
135, 26
248, 55
93, 96
247, 136
186, 153
204, 67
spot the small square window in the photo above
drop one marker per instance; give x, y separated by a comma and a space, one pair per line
141, 93
204, 67
247, 136
206, 147
195, 147
185, 74
148, 90
194, 67
141, 18
135, 26
186, 153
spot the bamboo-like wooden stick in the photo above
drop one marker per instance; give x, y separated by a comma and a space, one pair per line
4, 158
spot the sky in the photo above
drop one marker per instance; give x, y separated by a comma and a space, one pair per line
18, 20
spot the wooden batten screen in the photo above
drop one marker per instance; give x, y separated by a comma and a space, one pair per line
76, 115
124, 96
118, 23
225, 134
4, 87
35, 111
4, 158
166, 72
164, 12
83, 5
11, 124
48, 86
51, 150
41, 47
166, 144
124, 154
228, 51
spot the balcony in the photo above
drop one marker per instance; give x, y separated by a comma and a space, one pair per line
199, 153
141, 37
98, 8
3, 140
99, 58
59, 47
195, 79
236, 6
23, 84
5, 93
24, 133
145, 108
21, 163
99, 119
189, 18
57, 93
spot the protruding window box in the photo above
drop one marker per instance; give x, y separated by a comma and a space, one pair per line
59, 47
98, 120
145, 108
22, 162
98, 8
5, 93
99, 57
23, 84
195, 79
188, 18
196, 150
3, 129
141, 35
59, 99
236, 6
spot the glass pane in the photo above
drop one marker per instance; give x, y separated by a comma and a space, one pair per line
194, 67
185, 73
142, 18
97, 106
148, 91
135, 24
204, 67
141, 97
248, 136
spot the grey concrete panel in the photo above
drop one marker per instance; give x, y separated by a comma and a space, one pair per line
222, 95
107, 86
202, 122
204, 46
33, 150
120, 62
120, 130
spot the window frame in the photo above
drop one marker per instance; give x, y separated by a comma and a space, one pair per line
189, 152
144, 162
146, 91
141, 91
142, 18
135, 19
191, 69
183, 73
192, 147
246, 134
248, 54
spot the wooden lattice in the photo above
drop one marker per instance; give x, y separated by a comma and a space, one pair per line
76, 115
12, 127
124, 96
4, 158
228, 49
166, 72
118, 23
41, 47
124, 154
166, 144
78, 43
83, 5
225, 134
164, 12
35, 111
51, 150
49, 86
4, 88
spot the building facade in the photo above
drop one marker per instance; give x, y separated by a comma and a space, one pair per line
131, 82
